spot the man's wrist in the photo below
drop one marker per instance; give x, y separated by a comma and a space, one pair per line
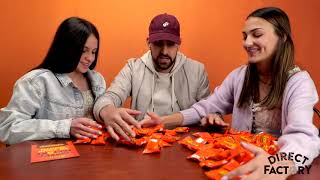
104, 111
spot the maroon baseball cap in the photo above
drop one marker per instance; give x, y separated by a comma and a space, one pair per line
164, 27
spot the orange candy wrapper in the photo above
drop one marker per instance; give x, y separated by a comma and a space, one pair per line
163, 143
100, 140
216, 174
182, 129
153, 137
142, 131
212, 164
200, 140
148, 131
205, 154
226, 142
221, 153
141, 141
83, 141
170, 132
204, 135
226, 153
231, 165
191, 144
134, 141
152, 146
244, 156
170, 138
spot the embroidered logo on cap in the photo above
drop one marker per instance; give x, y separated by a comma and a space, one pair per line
165, 24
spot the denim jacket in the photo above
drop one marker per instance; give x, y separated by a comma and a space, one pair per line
43, 104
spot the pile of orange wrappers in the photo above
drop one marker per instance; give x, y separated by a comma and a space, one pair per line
221, 153
217, 153
155, 138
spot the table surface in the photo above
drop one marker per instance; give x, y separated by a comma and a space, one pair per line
109, 162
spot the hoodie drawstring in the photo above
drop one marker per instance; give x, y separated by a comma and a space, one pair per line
172, 92
152, 92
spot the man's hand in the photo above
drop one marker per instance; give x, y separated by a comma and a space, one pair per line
213, 119
118, 121
80, 128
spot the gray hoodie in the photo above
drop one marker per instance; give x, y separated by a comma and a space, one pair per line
137, 79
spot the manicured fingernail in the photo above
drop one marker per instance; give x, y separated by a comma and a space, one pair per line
243, 143
224, 178
95, 136
100, 126
100, 132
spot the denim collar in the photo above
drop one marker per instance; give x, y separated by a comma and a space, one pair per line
93, 79
65, 80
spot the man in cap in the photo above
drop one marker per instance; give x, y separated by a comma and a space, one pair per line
162, 81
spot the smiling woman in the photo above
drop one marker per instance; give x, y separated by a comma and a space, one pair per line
55, 99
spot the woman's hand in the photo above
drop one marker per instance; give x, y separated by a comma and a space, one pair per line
151, 120
213, 119
81, 128
254, 169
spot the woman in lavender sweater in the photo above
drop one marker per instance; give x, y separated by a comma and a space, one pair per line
268, 94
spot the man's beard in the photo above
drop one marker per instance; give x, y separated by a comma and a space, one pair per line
163, 66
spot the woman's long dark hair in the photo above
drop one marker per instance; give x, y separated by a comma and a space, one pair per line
282, 62
67, 46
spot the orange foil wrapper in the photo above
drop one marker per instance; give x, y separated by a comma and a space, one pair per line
152, 146
216, 174
231, 165
100, 140
182, 129
204, 135
83, 141
212, 164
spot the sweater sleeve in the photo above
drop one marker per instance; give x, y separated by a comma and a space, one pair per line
221, 101
118, 92
299, 135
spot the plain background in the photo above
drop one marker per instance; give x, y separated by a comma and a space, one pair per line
210, 31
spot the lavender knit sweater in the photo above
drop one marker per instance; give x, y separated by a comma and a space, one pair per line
299, 135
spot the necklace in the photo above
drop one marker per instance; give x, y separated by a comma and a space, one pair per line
264, 82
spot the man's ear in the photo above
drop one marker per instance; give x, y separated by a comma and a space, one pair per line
147, 41
180, 43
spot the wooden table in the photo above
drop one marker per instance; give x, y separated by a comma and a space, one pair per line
109, 162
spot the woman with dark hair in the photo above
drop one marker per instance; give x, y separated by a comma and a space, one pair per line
269, 94
55, 99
